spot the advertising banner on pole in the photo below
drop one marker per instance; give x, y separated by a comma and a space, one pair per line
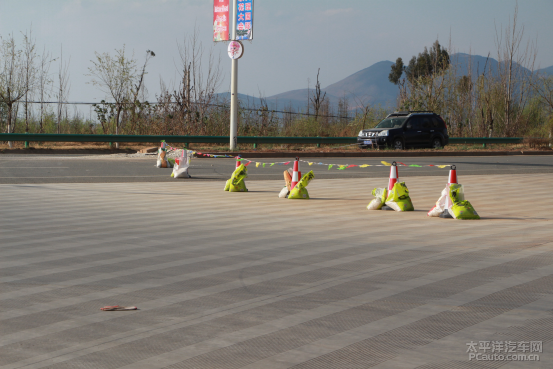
221, 20
244, 20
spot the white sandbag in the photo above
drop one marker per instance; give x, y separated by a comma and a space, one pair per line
375, 204
440, 204
378, 201
283, 193
182, 163
394, 205
435, 211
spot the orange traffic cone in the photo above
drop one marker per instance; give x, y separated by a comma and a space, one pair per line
295, 174
394, 175
238, 162
451, 180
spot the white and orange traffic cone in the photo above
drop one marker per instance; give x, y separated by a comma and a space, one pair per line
394, 175
295, 174
452, 175
238, 161
451, 180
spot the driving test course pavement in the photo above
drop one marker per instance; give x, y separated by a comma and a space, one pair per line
121, 168
248, 280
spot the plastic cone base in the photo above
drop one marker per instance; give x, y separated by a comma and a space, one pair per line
445, 214
386, 207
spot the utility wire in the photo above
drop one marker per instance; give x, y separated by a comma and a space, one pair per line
172, 103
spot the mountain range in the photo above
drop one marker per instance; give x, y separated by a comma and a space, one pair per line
369, 85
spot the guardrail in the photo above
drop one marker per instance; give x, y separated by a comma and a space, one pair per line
255, 140
48, 137
485, 140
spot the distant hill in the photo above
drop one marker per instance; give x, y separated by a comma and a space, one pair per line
473, 63
548, 70
371, 85
368, 85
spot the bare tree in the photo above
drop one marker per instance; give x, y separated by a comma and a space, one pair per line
44, 84
316, 99
308, 94
365, 107
63, 88
515, 68
343, 109
13, 86
201, 76
135, 106
30, 71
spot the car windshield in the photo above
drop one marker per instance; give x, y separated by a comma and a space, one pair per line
394, 122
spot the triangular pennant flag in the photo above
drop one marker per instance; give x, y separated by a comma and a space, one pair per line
386, 163
272, 164
310, 163
402, 163
257, 164
442, 166
287, 163
263, 165
415, 165
351, 166
248, 163
364, 165
330, 166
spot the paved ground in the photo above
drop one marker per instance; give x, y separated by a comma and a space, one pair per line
247, 280
118, 168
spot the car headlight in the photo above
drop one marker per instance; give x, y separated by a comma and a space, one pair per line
360, 134
383, 133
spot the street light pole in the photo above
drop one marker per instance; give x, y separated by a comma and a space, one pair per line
234, 87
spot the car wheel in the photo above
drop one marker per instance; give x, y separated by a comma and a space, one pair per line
436, 143
398, 144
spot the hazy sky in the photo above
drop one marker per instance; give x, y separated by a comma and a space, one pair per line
292, 37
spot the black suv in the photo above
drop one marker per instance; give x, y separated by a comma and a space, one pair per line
406, 129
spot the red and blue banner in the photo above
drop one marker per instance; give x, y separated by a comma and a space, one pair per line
244, 20
221, 20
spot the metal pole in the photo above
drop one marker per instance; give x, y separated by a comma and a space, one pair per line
234, 87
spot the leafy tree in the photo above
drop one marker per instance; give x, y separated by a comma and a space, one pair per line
397, 71
425, 65
422, 85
